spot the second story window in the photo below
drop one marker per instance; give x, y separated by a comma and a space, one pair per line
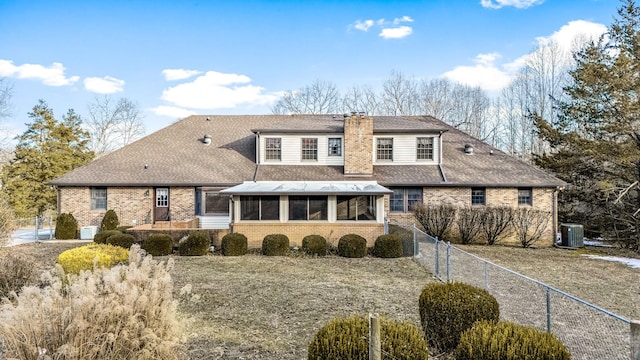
424, 148
273, 149
335, 147
309, 149
384, 149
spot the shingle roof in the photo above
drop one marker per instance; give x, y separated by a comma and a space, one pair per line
176, 155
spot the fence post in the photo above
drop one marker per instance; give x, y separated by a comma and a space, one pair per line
36, 230
448, 261
50, 227
548, 310
635, 340
486, 279
437, 259
375, 345
415, 241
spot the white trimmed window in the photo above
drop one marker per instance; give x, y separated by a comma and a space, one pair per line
273, 149
309, 148
259, 207
405, 199
308, 207
424, 148
384, 149
335, 147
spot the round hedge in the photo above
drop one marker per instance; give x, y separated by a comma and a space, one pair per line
388, 246
102, 236
352, 246
158, 244
508, 341
315, 245
448, 309
83, 257
66, 227
234, 244
346, 338
122, 240
197, 243
275, 245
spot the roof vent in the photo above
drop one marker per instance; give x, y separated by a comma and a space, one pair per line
346, 115
207, 119
361, 114
468, 149
207, 139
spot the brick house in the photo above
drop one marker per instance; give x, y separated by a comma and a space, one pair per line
299, 175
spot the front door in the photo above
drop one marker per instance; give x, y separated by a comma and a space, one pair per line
161, 206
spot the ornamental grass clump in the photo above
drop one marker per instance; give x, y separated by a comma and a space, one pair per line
448, 309
508, 341
89, 256
126, 312
16, 271
346, 338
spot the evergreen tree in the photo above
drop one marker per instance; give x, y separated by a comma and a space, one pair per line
595, 142
46, 150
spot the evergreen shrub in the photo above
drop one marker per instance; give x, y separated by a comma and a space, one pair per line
83, 257
387, 246
352, 246
102, 236
234, 244
197, 243
158, 244
346, 338
448, 309
508, 341
275, 245
66, 227
109, 221
315, 245
122, 240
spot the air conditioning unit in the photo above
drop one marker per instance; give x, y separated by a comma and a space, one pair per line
88, 232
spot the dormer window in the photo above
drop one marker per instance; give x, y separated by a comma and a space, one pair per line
309, 148
384, 149
424, 148
273, 149
335, 147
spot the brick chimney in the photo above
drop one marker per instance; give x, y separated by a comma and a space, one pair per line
358, 144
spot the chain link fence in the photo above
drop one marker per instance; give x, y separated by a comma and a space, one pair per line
32, 229
589, 332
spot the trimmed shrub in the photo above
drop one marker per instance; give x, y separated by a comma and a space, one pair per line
158, 244
233, 244
66, 227
346, 338
387, 246
126, 312
508, 341
315, 245
16, 271
197, 243
102, 236
275, 245
352, 246
83, 257
109, 221
122, 240
448, 309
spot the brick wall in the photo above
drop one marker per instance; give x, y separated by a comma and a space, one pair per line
358, 145
255, 232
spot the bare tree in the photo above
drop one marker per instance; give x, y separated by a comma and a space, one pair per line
113, 124
399, 95
6, 91
362, 98
321, 97
495, 222
529, 225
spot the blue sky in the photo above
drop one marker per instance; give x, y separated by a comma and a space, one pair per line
236, 57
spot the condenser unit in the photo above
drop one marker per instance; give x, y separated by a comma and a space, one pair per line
88, 232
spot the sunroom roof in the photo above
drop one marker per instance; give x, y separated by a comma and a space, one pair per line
308, 188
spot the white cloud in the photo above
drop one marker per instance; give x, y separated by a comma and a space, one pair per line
520, 4
363, 25
52, 75
491, 75
405, 18
396, 33
172, 111
179, 74
104, 85
215, 90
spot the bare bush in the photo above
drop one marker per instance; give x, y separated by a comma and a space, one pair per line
468, 224
436, 220
529, 225
7, 221
126, 312
495, 222
16, 271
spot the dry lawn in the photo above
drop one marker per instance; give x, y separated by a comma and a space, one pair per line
256, 307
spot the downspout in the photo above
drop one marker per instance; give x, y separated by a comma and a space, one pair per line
554, 212
444, 177
255, 174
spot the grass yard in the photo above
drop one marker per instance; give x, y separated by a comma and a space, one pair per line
256, 307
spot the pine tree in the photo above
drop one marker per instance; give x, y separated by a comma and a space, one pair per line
595, 141
47, 149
